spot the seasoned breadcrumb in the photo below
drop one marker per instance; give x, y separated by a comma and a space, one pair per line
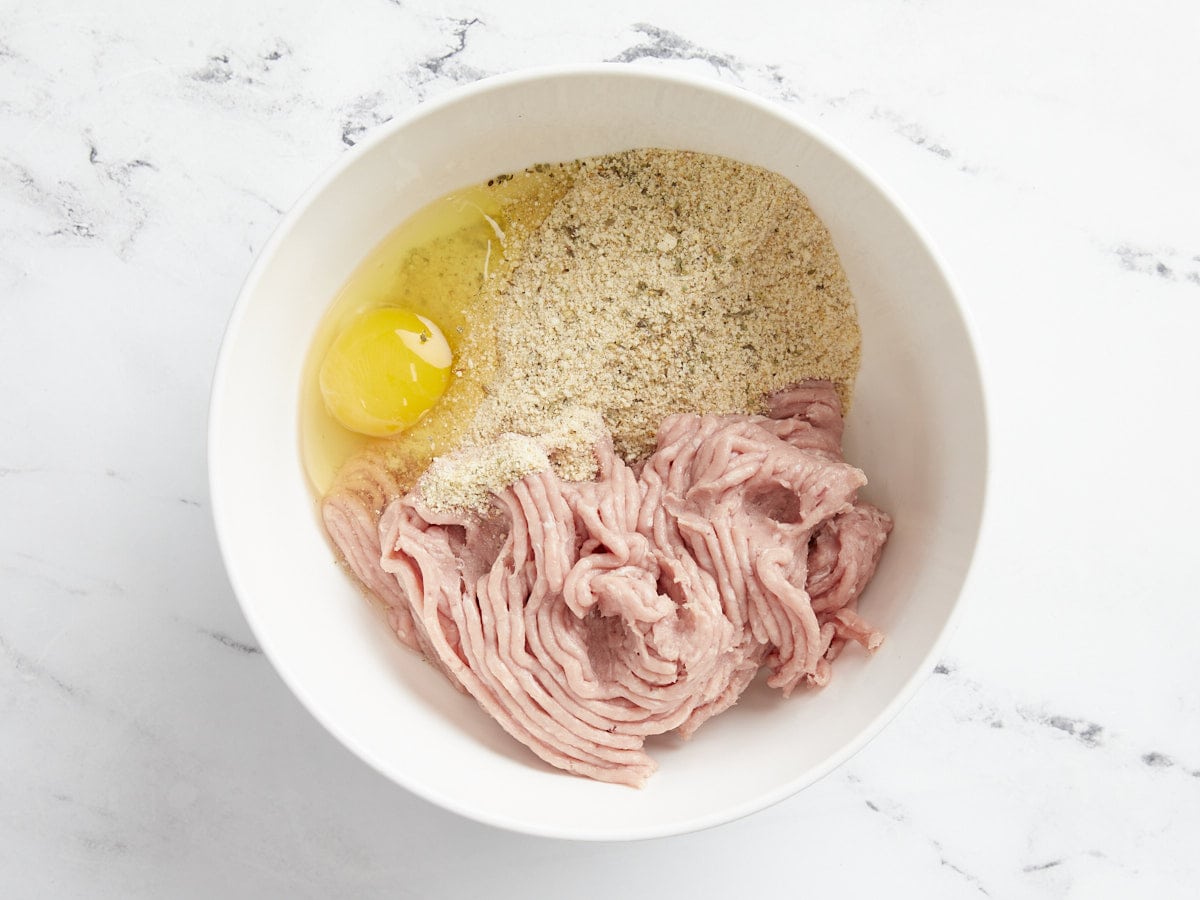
661, 282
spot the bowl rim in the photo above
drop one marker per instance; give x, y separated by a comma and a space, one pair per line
384, 133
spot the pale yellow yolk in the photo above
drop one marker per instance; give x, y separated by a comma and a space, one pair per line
386, 370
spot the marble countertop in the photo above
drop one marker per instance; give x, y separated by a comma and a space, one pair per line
147, 749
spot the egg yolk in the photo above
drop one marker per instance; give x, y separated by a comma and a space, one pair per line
385, 371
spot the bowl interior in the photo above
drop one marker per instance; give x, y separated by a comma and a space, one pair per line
917, 428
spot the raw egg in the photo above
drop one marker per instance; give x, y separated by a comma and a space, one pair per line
385, 371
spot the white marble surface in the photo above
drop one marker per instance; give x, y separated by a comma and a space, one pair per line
147, 749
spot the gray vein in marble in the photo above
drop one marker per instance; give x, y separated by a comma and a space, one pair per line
1035, 868
376, 108
217, 71
461, 26
364, 114
1042, 867
887, 809
7, 52
1156, 760
232, 643
983, 709
109, 586
31, 669
785, 89
120, 173
1087, 733
45, 579
226, 69
63, 205
1090, 734
665, 44
75, 214
896, 814
911, 131
102, 844
972, 880
669, 45
34, 670
258, 198
1164, 263
448, 65
7, 471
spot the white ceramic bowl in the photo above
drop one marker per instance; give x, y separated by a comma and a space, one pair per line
917, 428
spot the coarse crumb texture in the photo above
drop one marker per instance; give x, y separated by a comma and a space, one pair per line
467, 478
661, 282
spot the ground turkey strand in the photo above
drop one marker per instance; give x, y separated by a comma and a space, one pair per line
585, 616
